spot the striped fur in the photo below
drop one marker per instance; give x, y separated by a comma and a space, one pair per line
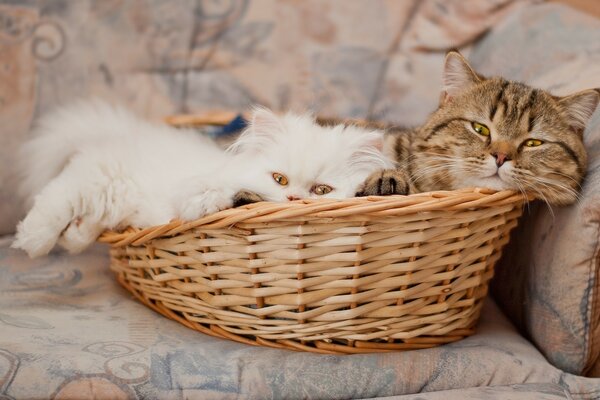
446, 152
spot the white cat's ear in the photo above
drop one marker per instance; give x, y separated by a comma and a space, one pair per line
365, 138
579, 107
457, 77
263, 119
375, 140
368, 149
263, 127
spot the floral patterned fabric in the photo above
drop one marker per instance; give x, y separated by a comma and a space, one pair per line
532, 391
68, 330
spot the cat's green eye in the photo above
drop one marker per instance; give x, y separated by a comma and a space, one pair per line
280, 178
480, 128
320, 190
532, 142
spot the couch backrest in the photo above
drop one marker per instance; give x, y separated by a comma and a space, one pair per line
338, 57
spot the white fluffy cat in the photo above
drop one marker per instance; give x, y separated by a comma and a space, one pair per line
92, 167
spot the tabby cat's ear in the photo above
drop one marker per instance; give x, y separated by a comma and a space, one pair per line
458, 76
579, 107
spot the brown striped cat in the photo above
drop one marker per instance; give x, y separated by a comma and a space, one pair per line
494, 133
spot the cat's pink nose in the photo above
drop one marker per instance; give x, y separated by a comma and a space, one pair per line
292, 197
501, 158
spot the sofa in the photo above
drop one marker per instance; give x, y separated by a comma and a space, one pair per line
69, 331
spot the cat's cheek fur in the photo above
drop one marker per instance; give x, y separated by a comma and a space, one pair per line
489, 167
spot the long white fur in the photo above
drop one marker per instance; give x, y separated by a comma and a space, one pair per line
92, 166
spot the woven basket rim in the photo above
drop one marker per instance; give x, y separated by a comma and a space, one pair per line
375, 206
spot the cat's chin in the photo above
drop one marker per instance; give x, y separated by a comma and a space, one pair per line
490, 182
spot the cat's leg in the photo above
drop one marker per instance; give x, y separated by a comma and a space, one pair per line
385, 182
103, 200
51, 213
73, 209
244, 197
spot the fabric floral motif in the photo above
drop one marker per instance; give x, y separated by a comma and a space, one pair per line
67, 330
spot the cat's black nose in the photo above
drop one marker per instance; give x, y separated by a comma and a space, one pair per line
501, 158
292, 197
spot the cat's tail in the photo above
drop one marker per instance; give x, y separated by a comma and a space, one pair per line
60, 134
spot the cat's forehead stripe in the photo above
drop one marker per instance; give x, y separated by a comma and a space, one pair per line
530, 103
526, 105
516, 103
497, 100
513, 98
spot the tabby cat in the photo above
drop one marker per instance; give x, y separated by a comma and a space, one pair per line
494, 133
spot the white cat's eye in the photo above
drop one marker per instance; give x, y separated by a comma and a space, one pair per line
532, 143
480, 129
280, 178
320, 190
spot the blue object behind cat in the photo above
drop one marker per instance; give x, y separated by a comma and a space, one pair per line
234, 126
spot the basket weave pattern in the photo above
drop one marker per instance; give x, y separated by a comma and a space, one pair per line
329, 276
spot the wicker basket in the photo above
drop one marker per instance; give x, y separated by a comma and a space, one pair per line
328, 276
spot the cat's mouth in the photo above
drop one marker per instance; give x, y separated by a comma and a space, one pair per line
496, 177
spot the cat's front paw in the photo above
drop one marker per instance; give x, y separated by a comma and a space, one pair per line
207, 202
244, 197
80, 233
385, 182
35, 236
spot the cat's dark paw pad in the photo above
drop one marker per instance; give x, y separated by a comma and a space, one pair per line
384, 183
244, 197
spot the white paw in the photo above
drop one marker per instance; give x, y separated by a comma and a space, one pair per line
38, 234
36, 240
205, 203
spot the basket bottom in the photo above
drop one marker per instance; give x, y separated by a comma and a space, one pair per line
334, 346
